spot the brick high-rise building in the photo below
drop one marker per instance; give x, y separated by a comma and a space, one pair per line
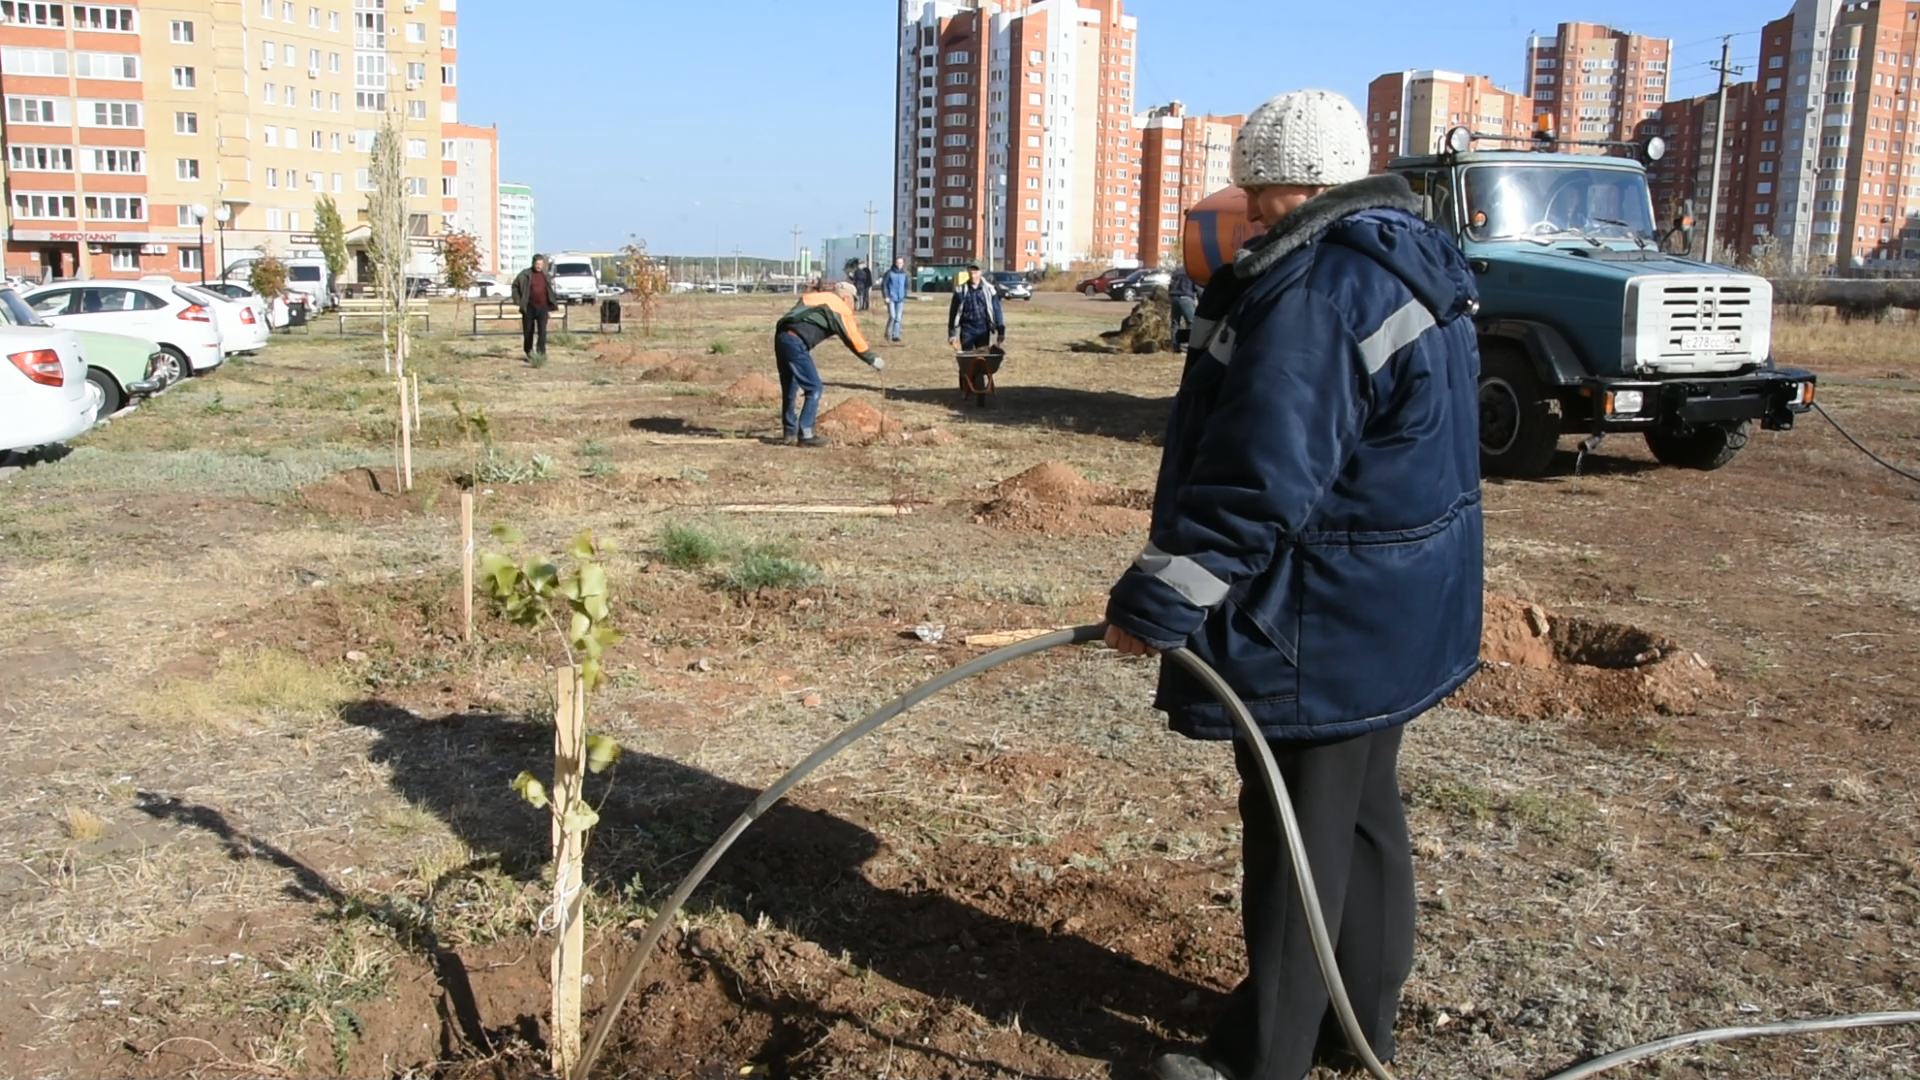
123, 117
1183, 159
1015, 142
1598, 82
1689, 127
1410, 112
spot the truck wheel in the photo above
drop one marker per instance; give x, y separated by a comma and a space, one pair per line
1704, 446
1518, 429
111, 399
1092, 292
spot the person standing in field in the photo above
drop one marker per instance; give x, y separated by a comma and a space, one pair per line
1182, 295
893, 286
817, 316
863, 284
533, 294
1317, 538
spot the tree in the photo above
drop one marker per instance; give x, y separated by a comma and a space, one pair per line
460, 258
647, 277
387, 244
331, 234
268, 277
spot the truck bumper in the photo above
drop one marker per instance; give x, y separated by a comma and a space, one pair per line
1773, 396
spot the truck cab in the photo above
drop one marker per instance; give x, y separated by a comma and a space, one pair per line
1586, 325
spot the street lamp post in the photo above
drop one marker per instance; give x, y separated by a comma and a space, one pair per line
221, 215
200, 221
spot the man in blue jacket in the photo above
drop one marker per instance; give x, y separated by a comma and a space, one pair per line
1316, 537
974, 317
893, 285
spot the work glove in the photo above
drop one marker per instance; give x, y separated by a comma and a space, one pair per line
1003, 338
955, 342
877, 363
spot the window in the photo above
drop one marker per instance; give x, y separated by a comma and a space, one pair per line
116, 208
180, 32
363, 179
40, 158
336, 182
447, 187
313, 61
416, 110
286, 10
266, 9
289, 99
186, 123
271, 94
34, 61
447, 37
28, 205
271, 136
273, 178
416, 185
313, 100
293, 138
24, 14
292, 55
416, 33
273, 220
190, 258
316, 181
293, 180
26, 110
183, 78
112, 19
267, 54
112, 114
333, 62
333, 21
114, 160
186, 169
123, 259
416, 148
446, 75
315, 140
333, 105
333, 142
416, 73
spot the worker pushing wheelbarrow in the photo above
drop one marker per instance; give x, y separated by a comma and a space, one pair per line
977, 330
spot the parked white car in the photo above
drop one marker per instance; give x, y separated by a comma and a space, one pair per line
178, 324
262, 310
487, 288
574, 279
44, 393
243, 328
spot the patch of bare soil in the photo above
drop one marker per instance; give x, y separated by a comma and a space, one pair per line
679, 370
368, 493
1537, 664
751, 390
1053, 498
627, 354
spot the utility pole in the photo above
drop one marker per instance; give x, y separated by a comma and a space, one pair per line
870, 212
736, 266
1725, 68
796, 258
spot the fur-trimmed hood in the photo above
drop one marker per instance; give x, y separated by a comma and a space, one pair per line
1320, 213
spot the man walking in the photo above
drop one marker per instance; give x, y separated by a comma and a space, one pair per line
974, 317
863, 284
533, 294
818, 316
1316, 537
893, 285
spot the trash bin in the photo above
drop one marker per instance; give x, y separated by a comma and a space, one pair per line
610, 312
296, 315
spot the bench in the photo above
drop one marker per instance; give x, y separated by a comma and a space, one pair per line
494, 312
377, 309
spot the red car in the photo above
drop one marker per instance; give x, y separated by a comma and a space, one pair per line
1097, 286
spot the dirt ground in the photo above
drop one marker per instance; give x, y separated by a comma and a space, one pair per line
262, 824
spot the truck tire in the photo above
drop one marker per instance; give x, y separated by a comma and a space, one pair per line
1704, 446
111, 399
1518, 429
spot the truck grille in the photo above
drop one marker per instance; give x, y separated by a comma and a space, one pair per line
1701, 322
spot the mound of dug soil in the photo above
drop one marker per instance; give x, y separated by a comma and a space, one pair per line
752, 390
858, 423
678, 370
1053, 498
1148, 328
375, 493
1535, 664
625, 354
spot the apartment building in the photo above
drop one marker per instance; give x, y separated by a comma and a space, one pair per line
1410, 112
1597, 82
1183, 159
516, 228
134, 129
470, 187
1015, 142
1690, 126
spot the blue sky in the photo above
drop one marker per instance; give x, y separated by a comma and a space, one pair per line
719, 124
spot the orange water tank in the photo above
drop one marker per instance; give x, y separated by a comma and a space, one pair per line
1216, 227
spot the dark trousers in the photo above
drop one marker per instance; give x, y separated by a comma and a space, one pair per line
861, 292
533, 325
1180, 318
1347, 797
797, 376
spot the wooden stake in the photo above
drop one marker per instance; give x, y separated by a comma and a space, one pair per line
466, 561
414, 377
406, 438
569, 953
814, 508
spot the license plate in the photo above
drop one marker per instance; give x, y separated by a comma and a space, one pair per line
1709, 342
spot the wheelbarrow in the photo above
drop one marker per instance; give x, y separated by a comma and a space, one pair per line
977, 369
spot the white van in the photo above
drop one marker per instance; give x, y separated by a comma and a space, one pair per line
573, 278
305, 277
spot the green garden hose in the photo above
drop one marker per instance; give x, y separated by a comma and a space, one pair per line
1276, 788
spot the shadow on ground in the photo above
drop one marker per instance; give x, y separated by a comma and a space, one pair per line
800, 868
1088, 412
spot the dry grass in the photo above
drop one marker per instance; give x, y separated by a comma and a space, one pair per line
84, 826
251, 689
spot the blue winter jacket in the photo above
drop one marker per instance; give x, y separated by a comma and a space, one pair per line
974, 312
1316, 532
893, 284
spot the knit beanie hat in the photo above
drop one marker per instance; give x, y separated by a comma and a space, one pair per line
1311, 138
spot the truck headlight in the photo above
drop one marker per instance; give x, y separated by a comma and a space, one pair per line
1802, 394
1626, 402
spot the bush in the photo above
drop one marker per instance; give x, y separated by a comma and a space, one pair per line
719, 348
764, 568
687, 547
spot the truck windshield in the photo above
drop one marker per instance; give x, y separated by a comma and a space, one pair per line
304, 273
573, 270
1548, 202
